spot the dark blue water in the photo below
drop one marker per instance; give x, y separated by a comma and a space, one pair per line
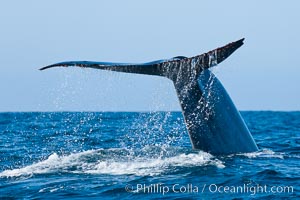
142, 156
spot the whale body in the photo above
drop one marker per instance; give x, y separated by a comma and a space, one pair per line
212, 120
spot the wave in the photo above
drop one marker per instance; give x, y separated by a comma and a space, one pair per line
263, 153
114, 162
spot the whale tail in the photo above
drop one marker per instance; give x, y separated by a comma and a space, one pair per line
213, 122
203, 61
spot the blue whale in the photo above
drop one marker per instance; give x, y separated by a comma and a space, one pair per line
212, 120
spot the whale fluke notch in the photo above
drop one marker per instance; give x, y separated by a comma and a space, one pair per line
213, 122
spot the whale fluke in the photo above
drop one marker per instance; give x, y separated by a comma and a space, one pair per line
151, 68
213, 122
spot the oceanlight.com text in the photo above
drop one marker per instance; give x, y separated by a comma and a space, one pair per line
250, 189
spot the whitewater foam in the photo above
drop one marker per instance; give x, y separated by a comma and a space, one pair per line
264, 153
114, 165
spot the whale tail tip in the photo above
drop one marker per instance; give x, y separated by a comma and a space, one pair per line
225, 51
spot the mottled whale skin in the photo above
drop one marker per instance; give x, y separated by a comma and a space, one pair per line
212, 120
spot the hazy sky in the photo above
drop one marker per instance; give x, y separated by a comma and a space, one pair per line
264, 74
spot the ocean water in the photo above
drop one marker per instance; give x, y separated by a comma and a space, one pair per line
87, 155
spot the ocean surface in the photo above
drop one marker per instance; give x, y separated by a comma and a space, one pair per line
131, 155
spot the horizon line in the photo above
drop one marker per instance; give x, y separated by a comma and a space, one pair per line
133, 111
